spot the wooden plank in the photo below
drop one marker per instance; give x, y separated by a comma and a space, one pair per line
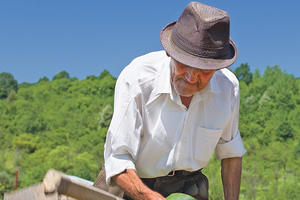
57, 185
34, 192
63, 184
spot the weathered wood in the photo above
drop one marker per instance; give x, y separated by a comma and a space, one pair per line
30, 193
57, 185
63, 184
35, 192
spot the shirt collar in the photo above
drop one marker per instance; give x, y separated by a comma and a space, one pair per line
213, 85
163, 83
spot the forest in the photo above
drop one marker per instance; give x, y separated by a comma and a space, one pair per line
61, 123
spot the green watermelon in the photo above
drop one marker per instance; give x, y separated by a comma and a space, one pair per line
180, 196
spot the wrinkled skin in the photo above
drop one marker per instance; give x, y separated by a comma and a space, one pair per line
188, 80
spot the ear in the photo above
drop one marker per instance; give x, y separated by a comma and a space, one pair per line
167, 54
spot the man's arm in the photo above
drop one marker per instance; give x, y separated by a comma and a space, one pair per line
131, 183
231, 177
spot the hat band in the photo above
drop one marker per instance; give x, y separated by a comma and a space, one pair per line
186, 46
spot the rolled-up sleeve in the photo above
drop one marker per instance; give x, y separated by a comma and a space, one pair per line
231, 144
233, 148
123, 136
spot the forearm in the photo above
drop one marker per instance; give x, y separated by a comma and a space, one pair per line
130, 182
231, 177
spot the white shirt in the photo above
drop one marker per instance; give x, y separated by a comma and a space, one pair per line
154, 133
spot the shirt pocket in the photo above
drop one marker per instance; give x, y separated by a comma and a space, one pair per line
205, 143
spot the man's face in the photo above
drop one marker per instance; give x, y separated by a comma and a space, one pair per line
188, 80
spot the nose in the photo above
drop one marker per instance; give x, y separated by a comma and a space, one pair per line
191, 76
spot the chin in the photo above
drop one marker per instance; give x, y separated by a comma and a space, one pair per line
184, 94
184, 90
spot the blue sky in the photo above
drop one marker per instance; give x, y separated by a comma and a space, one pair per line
42, 38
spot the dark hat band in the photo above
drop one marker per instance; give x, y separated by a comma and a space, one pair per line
185, 45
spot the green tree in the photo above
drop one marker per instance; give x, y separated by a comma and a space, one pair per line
103, 74
105, 116
243, 73
46, 79
297, 149
285, 131
12, 96
7, 84
60, 75
6, 182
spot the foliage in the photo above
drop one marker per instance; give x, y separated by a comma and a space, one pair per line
6, 182
57, 124
7, 84
43, 79
60, 75
243, 73
62, 124
105, 116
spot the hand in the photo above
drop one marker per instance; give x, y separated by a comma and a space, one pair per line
130, 182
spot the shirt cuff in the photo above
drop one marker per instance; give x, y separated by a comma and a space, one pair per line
117, 164
233, 148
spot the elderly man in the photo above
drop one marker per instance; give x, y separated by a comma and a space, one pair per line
173, 109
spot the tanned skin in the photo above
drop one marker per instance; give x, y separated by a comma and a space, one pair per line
130, 182
231, 177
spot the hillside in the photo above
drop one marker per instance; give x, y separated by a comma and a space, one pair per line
61, 123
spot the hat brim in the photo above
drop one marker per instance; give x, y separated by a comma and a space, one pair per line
192, 60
